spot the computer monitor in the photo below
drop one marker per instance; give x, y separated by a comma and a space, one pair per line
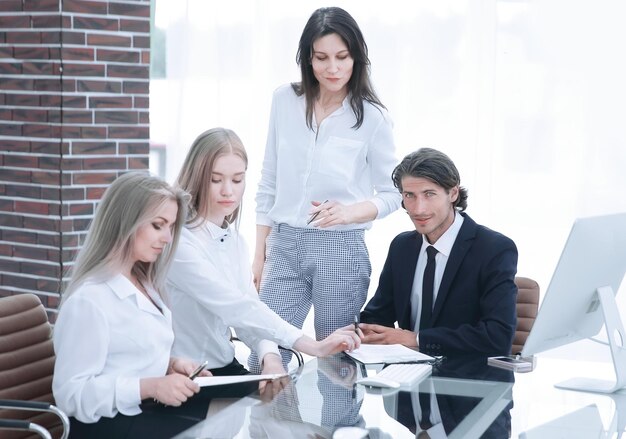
581, 296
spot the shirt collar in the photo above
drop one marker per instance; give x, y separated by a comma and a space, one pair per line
216, 232
123, 288
446, 241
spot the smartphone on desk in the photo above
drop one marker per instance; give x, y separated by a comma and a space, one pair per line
511, 362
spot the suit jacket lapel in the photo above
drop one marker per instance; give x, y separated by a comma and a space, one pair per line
461, 245
407, 275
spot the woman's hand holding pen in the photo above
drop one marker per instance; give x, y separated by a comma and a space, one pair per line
186, 367
332, 213
172, 389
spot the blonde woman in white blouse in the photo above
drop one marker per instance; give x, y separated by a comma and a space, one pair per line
210, 281
114, 374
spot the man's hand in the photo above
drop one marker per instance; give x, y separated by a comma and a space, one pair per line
379, 334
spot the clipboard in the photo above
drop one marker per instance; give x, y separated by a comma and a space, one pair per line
388, 354
234, 379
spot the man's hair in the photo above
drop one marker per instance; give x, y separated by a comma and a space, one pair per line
432, 165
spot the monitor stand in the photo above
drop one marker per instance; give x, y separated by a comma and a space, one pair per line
617, 337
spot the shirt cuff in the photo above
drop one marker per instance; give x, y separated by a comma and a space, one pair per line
267, 347
127, 396
263, 220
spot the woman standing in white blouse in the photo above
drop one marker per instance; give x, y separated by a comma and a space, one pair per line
326, 176
113, 335
210, 282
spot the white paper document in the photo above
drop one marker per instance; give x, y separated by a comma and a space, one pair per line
232, 379
387, 353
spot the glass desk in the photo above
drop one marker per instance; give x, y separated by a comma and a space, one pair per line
469, 399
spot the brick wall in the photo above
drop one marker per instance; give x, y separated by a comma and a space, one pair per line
74, 79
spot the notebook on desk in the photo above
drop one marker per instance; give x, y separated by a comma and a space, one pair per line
387, 353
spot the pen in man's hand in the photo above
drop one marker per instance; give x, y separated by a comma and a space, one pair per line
196, 372
315, 214
356, 324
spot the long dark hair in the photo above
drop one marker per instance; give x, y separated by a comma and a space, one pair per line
334, 20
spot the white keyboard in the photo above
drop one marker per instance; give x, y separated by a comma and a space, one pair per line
406, 374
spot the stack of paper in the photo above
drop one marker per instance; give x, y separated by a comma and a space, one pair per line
387, 353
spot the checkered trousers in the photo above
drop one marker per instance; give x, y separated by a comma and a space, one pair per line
328, 269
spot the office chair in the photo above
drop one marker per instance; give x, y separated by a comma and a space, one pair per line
26, 369
527, 308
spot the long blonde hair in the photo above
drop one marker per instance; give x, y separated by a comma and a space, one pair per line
130, 201
195, 175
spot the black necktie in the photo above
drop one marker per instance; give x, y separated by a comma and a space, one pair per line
428, 286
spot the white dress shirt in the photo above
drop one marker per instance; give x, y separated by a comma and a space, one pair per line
331, 162
210, 289
107, 337
444, 247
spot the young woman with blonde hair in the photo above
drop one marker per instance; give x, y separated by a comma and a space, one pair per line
113, 334
210, 281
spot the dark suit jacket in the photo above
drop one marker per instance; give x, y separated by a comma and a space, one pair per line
475, 307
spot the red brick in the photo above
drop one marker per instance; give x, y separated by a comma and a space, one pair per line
90, 69
78, 53
128, 71
110, 24
145, 57
50, 193
141, 102
138, 163
20, 161
31, 207
75, 116
81, 209
45, 270
110, 102
70, 240
50, 163
7, 205
22, 191
123, 56
47, 85
94, 178
21, 84
93, 133
99, 86
108, 40
30, 115
30, 252
129, 132
136, 87
11, 5
127, 25
130, 9
73, 193
80, 148
144, 117
10, 68
70, 37
41, 68
104, 164
6, 250
72, 164
22, 236
30, 52
22, 100
45, 21
88, 7
41, 5
23, 37
44, 177
16, 176
49, 147
41, 224
10, 129
41, 130
50, 37
15, 21
110, 117
9, 265
95, 193
141, 41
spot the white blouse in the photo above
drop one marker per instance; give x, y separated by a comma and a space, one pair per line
107, 337
331, 162
210, 289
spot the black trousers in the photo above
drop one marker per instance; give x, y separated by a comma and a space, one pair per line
160, 421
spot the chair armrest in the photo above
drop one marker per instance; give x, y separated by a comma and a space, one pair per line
10, 424
40, 407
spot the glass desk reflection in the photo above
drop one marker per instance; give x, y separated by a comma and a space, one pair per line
468, 399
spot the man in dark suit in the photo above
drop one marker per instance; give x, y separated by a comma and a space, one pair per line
466, 280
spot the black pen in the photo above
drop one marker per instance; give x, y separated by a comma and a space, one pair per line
196, 372
315, 214
356, 324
